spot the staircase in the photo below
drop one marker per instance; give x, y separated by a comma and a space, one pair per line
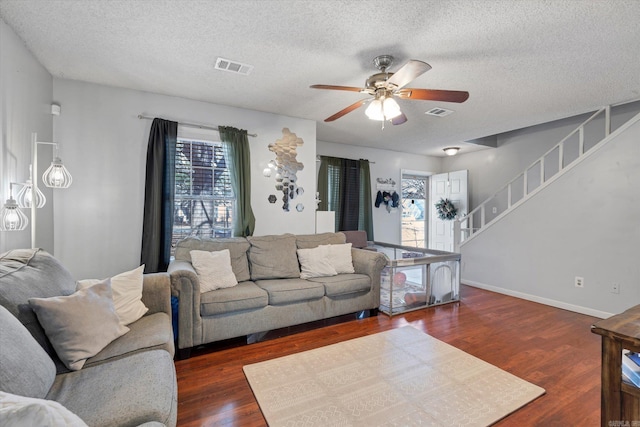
582, 142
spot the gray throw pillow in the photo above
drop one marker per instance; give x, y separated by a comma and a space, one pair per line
25, 368
273, 257
81, 324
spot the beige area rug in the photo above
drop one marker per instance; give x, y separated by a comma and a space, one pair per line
401, 377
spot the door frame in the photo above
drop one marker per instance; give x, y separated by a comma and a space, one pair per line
427, 177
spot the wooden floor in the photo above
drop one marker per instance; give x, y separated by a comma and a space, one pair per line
550, 347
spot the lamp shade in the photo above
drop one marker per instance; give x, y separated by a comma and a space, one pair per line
29, 196
12, 218
56, 175
383, 109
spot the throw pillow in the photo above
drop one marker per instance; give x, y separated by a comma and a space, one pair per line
340, 257
214, 269
127, 294
314, 263
81, 324
18, 411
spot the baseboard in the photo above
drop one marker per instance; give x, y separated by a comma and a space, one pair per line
535, 298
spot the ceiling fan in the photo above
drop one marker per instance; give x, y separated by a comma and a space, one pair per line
384, 86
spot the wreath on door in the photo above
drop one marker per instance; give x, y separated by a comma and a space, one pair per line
446, 210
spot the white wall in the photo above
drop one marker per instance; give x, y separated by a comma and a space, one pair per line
490, 169
584, 224
25, 105
104, 145
388, 164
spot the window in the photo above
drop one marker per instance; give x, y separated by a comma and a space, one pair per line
414, 210
204, 201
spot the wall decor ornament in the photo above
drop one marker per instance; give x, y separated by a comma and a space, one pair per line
446, 210
286, 166
272, 198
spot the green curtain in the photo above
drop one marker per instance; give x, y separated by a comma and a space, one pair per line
157, 222
366, 217
236, 143
344, 186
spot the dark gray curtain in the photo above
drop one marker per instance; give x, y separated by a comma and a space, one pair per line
158, 196
237, 145
345, 188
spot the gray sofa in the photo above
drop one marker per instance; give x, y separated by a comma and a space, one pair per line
131, 382
270, 293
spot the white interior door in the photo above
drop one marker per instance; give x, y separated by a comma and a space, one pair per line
452, 186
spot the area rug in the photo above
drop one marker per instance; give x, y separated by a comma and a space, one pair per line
401, 377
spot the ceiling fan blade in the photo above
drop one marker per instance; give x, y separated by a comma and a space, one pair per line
409, 71
347, 110
399, 120
433, 95
332, 87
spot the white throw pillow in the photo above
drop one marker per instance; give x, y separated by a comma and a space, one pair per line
314, 263
127, 294
80, 325
214, 269
20, 411
339, 257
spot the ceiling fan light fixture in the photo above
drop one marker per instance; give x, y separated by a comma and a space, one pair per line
451, 151
382, 109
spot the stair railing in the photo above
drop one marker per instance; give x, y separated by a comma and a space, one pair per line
536, 176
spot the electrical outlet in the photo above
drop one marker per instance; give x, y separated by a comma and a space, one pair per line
494, 210
579, 282
615, 288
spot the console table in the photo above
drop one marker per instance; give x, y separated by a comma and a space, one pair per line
620, 400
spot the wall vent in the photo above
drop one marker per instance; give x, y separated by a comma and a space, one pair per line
439, 112
233, 66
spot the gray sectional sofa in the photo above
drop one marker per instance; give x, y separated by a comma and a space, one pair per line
131, 382
270, 293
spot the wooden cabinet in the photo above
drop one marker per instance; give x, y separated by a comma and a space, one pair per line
620, 401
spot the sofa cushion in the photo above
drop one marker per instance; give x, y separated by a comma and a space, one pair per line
27, 273
25, 368
285, 291
245, 296
151, 332
124, 392
273, 257
81, 324
127, 294
307, 241
27, 411
344, 284
238, 247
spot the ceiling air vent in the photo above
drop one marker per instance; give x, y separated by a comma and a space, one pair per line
233, 66
439, 112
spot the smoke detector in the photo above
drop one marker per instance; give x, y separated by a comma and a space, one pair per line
223, 64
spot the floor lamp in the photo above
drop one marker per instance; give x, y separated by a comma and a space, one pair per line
55, 176
30, 196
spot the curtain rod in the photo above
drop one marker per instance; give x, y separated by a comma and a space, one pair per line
194, 125
318, 159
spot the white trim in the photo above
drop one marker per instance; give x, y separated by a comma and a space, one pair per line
535, 298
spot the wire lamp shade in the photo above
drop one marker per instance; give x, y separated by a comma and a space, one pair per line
11, 217
56, 175
29, 196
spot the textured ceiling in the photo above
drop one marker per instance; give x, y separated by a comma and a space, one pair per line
523, 62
